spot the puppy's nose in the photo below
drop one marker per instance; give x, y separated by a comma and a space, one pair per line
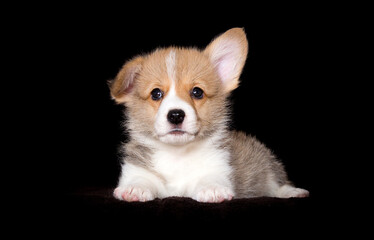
176, 116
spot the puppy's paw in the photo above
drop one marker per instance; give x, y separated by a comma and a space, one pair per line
214, 194
133, 194
288, 191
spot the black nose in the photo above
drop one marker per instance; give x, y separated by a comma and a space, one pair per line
176, 116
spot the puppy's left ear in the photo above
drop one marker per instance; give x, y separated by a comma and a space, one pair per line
121, 88
228, 53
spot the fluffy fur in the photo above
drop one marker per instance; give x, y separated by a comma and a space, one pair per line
177, 116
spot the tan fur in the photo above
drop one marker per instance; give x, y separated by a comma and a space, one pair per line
194, 69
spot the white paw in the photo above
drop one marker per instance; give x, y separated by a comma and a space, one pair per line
288, 191
133, 194
214, 194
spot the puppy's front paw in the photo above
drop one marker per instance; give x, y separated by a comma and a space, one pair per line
133, 194
215, 194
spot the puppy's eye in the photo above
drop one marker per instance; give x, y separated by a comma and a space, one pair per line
157, 94
197, 93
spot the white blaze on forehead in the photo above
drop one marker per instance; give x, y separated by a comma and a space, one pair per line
170, 65
172, 101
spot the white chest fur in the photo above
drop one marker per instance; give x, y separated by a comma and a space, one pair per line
185, 169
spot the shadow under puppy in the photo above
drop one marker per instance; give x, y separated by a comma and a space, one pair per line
177, 116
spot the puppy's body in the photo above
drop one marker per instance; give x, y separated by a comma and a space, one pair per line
177, 116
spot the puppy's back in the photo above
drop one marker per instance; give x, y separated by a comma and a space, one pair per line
256, 171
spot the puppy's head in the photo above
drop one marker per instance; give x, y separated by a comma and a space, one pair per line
176, 95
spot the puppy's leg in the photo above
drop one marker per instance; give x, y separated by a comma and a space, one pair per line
279, 186
133, 193
213, 189
288, 191
214, 194
137, 184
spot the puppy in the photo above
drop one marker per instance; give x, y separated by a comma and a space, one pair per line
177, 115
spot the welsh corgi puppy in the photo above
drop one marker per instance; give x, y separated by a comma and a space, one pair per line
177, 114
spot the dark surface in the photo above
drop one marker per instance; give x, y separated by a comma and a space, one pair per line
98, 206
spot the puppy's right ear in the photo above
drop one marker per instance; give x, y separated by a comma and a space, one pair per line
122, 86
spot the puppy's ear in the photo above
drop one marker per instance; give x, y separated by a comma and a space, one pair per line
122, 86
228, 53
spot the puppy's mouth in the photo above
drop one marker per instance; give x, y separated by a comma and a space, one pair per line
177, 131
177, 136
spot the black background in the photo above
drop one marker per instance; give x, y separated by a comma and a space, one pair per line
284, 98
